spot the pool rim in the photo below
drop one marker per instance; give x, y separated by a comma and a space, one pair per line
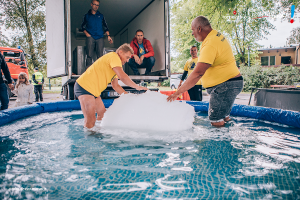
286, 117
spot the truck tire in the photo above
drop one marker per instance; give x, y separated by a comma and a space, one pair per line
71, 94
68, 92
65, 92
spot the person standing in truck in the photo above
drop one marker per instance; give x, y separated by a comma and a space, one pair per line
38, 81
196, 91
107, 69
218, 72
4, 97
143, 56
94, 27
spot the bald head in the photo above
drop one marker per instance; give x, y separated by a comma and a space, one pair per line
202, 22
201, 28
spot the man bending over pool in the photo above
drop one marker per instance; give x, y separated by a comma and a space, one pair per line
218, 72
95, 79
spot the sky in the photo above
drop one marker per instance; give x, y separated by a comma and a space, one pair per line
283, 31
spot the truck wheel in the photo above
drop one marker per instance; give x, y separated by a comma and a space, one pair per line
71, 94
65, 93
173, 87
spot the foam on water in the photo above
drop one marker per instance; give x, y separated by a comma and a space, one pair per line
148, 111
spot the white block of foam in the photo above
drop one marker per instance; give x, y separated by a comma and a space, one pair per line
148, 111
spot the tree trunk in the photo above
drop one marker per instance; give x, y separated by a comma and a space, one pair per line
29, 37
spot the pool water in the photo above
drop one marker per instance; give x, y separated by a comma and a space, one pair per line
51, 156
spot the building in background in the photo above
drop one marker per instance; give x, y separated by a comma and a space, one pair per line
280, 56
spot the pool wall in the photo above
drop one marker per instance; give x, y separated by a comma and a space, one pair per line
290, 118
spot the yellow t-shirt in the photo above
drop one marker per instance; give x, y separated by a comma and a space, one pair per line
189, 67
96, 78
216, 50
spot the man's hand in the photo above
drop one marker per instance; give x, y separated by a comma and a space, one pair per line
136, 58
11, 86
40, 83
173, 97
141, 88
86, 33
110, 40
141, 59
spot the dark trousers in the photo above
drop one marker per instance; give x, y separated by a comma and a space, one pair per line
91, 46
4, 98
38, 90
148, 63
195, 93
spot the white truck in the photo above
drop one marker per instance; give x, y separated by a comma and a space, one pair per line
66, 44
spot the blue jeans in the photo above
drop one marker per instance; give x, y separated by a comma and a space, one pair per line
222, 97
148, 63
4, 98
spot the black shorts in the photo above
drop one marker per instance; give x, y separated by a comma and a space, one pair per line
80, 91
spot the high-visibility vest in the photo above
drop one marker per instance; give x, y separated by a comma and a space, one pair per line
38, 77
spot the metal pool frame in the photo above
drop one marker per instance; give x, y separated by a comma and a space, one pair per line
290, 118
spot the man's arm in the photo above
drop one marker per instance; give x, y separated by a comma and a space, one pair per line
134, 56
33, 79
43, 80
126, 80
117, 87
150, 50
182, 78
5, 69
106, 30
83, 27
108, 37
191, 80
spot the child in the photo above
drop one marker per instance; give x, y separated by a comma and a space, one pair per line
24, 91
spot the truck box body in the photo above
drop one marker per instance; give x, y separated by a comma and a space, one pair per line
66, 44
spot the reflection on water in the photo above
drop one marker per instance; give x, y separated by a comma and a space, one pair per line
51, 156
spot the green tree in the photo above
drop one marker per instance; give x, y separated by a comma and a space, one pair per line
26, 18
294, 37
243, 29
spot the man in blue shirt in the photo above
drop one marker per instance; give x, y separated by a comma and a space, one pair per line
94, 26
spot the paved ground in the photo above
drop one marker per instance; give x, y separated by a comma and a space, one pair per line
51, 97
242, 98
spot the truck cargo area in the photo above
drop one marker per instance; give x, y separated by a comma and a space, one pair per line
66, 45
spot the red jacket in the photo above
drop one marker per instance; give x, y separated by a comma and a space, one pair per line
147, 45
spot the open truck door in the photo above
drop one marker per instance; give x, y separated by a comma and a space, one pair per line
66, 44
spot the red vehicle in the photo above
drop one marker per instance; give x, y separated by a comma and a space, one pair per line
15, 59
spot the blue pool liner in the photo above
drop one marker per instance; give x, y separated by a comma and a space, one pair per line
286, 117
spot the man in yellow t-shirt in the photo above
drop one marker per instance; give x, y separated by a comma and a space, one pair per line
107, 69
218, 72
196, 91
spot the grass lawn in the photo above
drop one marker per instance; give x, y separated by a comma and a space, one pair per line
54, 90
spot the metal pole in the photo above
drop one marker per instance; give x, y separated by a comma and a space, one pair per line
49, 84
248, 56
